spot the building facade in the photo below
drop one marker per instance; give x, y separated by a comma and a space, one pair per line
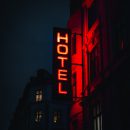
37, 110
100, 64
99, 91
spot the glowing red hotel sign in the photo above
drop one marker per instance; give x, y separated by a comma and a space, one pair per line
62, 63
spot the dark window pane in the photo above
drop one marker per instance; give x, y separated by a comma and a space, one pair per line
92, 14
73, 44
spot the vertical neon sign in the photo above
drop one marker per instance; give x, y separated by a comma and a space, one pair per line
62, 63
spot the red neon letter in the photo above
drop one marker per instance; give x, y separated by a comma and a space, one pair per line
60, 90
62, 51
61, 37
62, 74
62, 60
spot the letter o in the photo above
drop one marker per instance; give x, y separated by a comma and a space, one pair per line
62, 49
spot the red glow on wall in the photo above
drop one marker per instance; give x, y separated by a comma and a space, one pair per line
62, 62
77, 67
91, 39
88, 3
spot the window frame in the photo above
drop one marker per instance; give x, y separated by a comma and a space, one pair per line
39, 95
95, 56
97, 116
38, 116
57, 115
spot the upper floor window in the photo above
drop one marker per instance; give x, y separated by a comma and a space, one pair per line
92, 14
118, 39
95, 56
56, 117
74, 86
39, 95
38, 116
74, 43
97, 117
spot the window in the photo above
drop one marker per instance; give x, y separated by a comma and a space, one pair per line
95, 56
118, 36
74, 43
56, 117
38, 95
38, 116
97, 117
92, 14
75, 124
74, 85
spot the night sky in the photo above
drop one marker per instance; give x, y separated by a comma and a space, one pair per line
26, 28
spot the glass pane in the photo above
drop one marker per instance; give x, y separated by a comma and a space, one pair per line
98, 123
38, 96
101, 121
94, 111
94, 124
56, 117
